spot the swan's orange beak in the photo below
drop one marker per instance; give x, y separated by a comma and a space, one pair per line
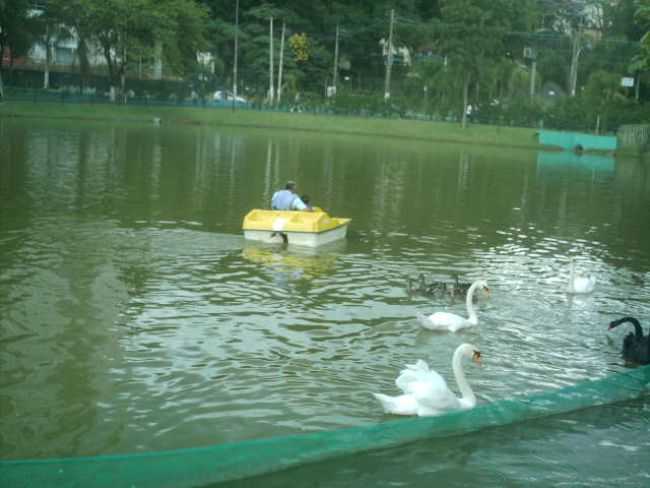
476, 357
487, 290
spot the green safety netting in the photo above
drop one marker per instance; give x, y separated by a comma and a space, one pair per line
202, 466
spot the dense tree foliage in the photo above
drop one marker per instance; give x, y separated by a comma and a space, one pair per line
642, 16
462, 51
510, 60
17, 30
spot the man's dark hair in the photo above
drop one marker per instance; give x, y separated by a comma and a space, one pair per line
290, 185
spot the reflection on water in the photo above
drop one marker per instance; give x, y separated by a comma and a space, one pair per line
548, 162
135, 317
294, 262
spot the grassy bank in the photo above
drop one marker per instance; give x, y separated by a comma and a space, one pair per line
409, 129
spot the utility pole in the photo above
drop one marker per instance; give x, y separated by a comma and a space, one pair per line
336, 59
574, 62
157, 60
234, 65
271, 89
575, 54
280, 64
533, 73
390, 56
48, 55
123, 74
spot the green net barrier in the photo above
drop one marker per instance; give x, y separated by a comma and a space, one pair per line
195, 467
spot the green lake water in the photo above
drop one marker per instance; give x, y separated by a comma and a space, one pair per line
134, 317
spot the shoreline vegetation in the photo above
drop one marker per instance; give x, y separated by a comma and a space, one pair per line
405, 129
443, 132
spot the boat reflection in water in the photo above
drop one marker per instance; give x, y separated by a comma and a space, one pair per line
297, 262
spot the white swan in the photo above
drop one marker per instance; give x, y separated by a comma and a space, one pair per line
579, 284
425, 392
452, 322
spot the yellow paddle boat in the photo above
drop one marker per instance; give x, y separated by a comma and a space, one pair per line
294, 227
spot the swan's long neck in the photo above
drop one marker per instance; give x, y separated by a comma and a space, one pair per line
638, 331
469, 303
468, 399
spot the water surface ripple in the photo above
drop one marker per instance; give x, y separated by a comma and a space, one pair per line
135, 317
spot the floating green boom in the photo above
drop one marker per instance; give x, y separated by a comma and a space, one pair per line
197, 467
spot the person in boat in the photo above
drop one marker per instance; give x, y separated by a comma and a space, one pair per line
305, 200
288, 199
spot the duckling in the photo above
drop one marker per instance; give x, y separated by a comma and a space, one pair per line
458, 289
416, 287
437, 288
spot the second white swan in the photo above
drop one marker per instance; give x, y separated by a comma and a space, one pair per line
452, 322
425, 392
579, 284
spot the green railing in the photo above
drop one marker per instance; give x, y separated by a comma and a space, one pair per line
62, 96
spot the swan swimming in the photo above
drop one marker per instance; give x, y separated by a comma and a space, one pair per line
636, 346
452, 322
579, 284
426, 393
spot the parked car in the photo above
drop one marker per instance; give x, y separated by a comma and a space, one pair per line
226, 96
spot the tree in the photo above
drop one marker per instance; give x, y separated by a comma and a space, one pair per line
50, 21
362, 24
262, 40
619, 20
76, 14
182, 32
17, 30
130, 30
641, 62
255, 47
642, 18
125, 31
471, 36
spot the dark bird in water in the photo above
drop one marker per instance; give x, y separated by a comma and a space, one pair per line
421, 286
416, 287
459, 288
636, 346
